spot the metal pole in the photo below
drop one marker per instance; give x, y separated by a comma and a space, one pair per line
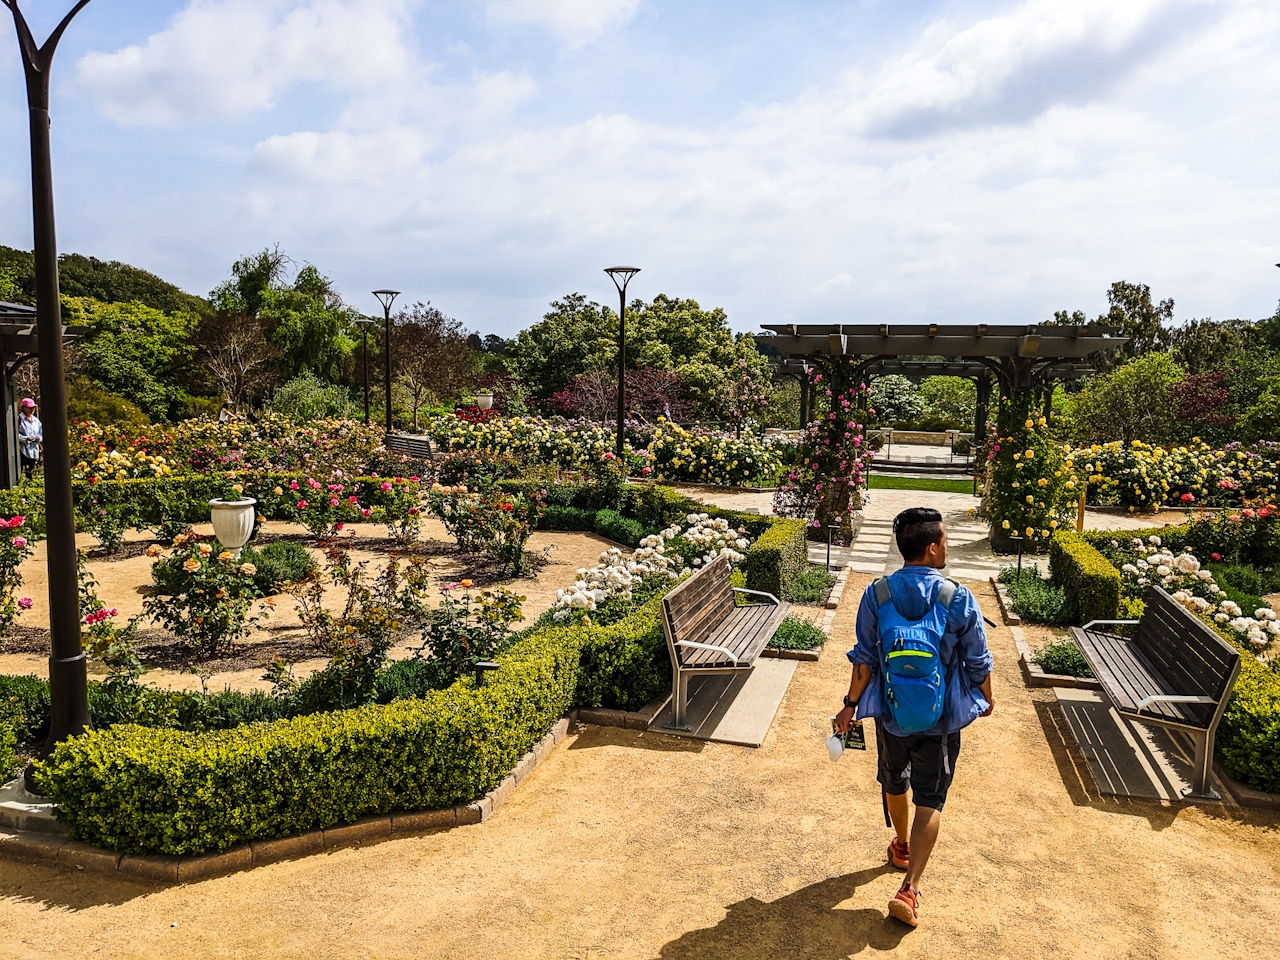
386, 333
622, 366
68, 680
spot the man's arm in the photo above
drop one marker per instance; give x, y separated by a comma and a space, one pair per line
863, 656
975, 655
857, 683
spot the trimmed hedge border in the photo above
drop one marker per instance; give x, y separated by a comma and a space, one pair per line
777, 557
1088, 577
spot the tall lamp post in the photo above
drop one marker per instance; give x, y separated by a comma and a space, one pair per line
386, 298
68, 681
365, 323
621, 276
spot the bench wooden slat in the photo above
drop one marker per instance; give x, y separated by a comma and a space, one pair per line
738, 634
1126, 678
1192, 661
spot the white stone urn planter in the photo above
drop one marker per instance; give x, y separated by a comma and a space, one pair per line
233, 522
484, 399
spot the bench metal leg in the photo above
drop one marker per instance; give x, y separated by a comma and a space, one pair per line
1203, 765
679, 694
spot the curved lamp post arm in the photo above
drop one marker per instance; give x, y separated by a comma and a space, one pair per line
38, 59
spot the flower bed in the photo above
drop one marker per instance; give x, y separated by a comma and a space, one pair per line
1143, 478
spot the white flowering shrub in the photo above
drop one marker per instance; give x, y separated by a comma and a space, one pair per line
617, 581
1183, 578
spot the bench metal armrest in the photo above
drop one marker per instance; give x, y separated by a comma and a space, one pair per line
758, 593
1147, 701
1092, 622
707, 646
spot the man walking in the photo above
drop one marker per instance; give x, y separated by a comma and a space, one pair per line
923, 670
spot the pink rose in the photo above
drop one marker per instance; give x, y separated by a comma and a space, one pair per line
24, 603
365, 512
1215, 556
20, 542
302, 504
339, 526
385, 486
333, 502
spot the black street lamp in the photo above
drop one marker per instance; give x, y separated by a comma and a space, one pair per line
68, 680
621, 276
365, 323
386, 298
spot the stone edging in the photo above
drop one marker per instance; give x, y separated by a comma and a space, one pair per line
51, 845
1006, 605
1246, 796
1035, 677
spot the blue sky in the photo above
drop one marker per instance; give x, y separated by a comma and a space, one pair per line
808, 161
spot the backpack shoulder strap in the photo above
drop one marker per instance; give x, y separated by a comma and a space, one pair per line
882, 591
947, 593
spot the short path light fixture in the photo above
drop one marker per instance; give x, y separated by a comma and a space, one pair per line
386, 298
621, 276
483, 667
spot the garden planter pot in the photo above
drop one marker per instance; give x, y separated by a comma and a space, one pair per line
233, 522
484, 400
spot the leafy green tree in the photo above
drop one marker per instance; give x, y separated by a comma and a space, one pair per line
1132, 402
135, 351
306, 397
9, 289
578, 336
1133, 311
951, 400
106, 280
895, 399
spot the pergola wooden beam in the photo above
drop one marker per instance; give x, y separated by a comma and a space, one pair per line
993, 342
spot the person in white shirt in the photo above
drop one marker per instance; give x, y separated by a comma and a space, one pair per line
30, 436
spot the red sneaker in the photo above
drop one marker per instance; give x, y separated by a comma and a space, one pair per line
899, 853
905, 906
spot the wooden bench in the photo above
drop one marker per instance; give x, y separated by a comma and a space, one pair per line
707, 632
414, 446
1175, 672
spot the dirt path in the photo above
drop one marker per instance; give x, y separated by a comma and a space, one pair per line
631, 845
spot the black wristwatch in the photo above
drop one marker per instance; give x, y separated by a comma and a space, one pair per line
848, 702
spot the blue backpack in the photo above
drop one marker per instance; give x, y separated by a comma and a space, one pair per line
915, 683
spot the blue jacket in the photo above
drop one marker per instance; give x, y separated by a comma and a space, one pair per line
964, 652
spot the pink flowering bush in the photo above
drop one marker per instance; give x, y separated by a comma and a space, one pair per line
14, 549
833, 460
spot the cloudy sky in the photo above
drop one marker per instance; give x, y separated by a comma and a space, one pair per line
810, 160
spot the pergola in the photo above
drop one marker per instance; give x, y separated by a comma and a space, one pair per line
1020, 358
17, 347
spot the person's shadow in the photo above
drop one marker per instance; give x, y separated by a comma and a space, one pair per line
804, 925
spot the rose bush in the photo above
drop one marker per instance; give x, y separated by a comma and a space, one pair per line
14, 549
1031, 482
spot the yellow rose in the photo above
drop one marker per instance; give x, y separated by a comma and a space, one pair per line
192, 565
1005, 524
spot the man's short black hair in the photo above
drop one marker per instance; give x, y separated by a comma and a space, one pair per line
915, 529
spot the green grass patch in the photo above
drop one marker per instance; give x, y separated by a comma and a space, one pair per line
939, 484
797, 633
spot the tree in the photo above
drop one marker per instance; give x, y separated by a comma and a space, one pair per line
950, 400
895, 399
102, 280
1132, 402
1137, 317
742, 397
9, 289
430, 355
236, 355
593, 395
135, 351
574, 336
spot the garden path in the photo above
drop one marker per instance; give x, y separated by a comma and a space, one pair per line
625, 844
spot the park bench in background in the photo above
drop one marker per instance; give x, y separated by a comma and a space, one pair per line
419, 447
707, 632
1175, 672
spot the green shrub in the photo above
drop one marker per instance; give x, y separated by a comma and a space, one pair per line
12, 720
566, 518
278, 564
1249, 735
1036, 599
812, 585
1088, 579
777, 557
611, 524
27, 697
797, 633
143, 790
625, 664
1063, 657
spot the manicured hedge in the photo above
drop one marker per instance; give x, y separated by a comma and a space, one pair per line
566, 518
146, 790
626, 664
1249, 734
1091, 582
620, 529
777, 557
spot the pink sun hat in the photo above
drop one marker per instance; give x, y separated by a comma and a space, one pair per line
28, 403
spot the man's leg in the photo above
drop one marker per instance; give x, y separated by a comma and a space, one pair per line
924, 834
899, 814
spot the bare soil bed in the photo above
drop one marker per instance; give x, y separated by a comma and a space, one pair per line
624, 844
123, 583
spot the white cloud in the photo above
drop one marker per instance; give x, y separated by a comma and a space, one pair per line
575, 22
223, 59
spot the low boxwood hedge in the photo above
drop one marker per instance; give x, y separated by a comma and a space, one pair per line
145, 790
777, 557
626, 664
1091, 582
1249, 734
567, 518
620, 529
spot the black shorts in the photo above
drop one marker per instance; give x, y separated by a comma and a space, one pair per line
916, 761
